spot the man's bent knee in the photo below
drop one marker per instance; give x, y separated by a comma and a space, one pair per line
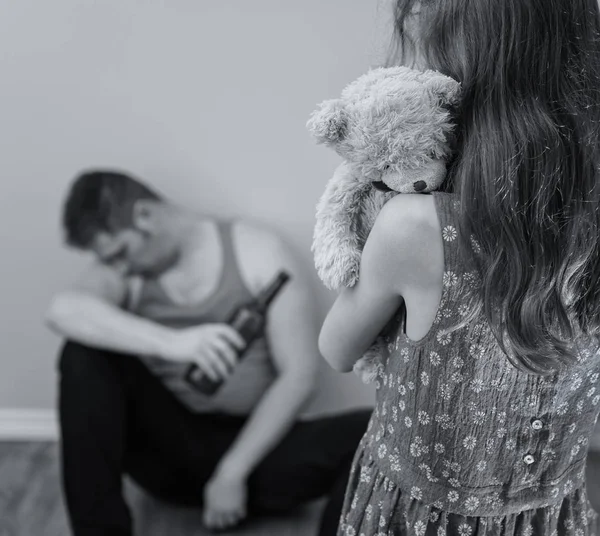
77, 360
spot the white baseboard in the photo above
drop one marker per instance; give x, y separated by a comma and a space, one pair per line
28, 425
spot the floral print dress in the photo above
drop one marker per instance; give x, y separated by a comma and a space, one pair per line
460, 442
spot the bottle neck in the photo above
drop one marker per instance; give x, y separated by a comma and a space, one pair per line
265, 298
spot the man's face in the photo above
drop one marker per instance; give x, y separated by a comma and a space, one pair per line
145, 249
128, 251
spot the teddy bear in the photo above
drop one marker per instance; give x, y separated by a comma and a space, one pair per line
393, 129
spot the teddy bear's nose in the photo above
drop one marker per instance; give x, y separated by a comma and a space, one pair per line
419, 186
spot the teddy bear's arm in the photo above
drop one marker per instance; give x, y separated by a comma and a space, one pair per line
337, 241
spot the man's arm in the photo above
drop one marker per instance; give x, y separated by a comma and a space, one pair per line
292, 335
91, 313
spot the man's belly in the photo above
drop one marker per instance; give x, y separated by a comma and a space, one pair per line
239, 394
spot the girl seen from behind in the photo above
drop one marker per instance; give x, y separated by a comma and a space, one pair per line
491, 384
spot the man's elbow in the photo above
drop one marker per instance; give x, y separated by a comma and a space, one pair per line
302, 377
59, 312
54, 312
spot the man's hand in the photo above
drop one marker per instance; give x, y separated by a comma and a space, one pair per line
213, 347
224, 501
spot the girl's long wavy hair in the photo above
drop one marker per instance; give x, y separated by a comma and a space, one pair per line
527, 164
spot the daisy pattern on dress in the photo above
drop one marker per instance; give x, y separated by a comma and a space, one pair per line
457, 377
424, 417
458, 362
445, 421
477, 385
471, 504
470, 442
365, 474
576, 382
349, 531
416, 493
420, 528
445, 391
449, 233
434, 358
449, 279
443, 337
479, 417
465, 530
394, 462
417, 448
476, 350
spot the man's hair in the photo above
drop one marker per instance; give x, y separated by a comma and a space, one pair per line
101, 201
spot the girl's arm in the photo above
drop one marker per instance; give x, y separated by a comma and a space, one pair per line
392, 256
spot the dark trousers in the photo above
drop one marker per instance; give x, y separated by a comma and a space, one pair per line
117, 418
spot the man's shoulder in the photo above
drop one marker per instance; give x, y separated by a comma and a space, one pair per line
253, 235
261, 252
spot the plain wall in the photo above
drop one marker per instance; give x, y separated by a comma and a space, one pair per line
207, 100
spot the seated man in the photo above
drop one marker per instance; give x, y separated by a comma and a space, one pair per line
157, 298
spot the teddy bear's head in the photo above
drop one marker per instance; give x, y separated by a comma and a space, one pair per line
393, 125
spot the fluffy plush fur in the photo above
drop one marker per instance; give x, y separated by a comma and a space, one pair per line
392, 128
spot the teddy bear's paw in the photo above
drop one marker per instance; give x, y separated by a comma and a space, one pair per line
368, 368
338, 272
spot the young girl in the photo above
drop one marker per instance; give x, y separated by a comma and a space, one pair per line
491, 386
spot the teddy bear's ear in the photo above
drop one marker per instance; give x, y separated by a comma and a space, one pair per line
329, 123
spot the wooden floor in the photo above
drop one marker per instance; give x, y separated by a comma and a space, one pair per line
31, 502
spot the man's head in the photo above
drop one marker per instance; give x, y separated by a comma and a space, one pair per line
121, 220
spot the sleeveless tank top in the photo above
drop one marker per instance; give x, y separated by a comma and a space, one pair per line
254, 372
460, 441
